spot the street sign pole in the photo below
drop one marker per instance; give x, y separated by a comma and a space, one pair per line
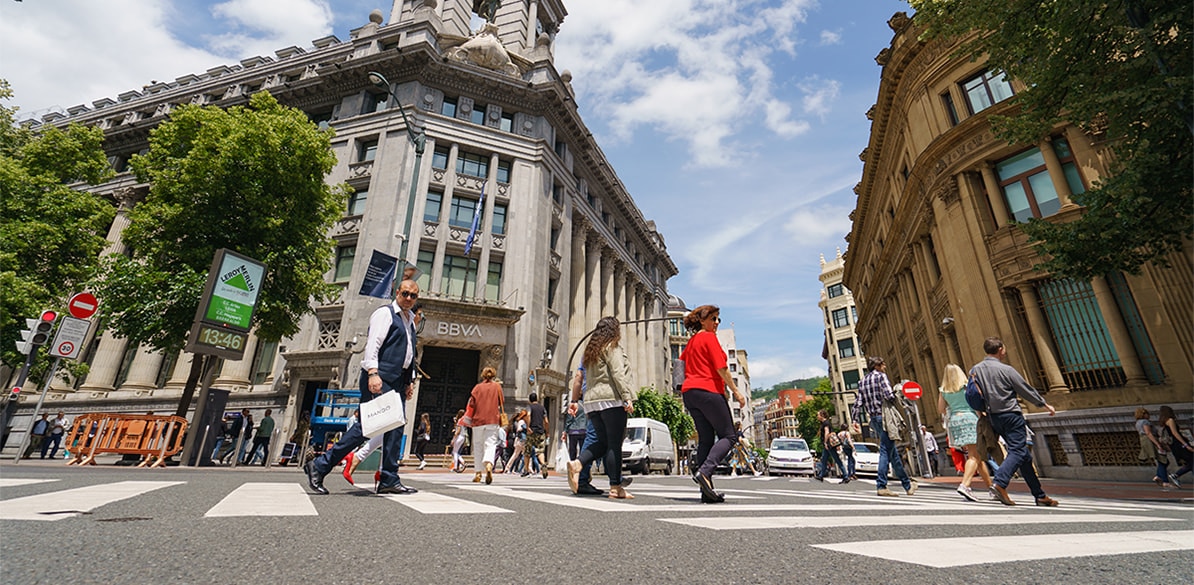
37, 409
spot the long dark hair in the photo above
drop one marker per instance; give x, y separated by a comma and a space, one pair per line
607, 333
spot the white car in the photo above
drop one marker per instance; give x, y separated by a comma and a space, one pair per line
788, 455
866, 459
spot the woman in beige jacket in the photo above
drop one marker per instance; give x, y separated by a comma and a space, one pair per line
609, 400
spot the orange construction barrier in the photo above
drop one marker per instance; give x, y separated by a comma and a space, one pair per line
151, 436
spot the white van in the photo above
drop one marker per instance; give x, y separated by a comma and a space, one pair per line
648, 446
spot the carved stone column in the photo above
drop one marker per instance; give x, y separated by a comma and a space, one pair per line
1124, 347
1039, 329
576, 282
182, 369
144, 372
593, 273
607, 282
619, 291
995, 195
105, 366
1056, 173
235, 374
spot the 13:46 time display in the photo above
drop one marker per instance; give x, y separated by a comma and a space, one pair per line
221, 338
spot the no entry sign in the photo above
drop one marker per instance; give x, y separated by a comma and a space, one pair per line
912, 390
82, 305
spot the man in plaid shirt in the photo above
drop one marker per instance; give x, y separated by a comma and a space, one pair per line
873, 389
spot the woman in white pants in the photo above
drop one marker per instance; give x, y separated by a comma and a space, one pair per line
458, 442
486, 402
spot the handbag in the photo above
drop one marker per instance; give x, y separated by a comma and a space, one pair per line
504, 420
384, 413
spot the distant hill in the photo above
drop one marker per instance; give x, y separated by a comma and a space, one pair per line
807, 384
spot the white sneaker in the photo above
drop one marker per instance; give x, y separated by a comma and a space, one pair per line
422, 464
967, 493
1173, 480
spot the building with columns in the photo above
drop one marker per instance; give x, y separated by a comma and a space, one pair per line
561, 242
937, 263
846, 362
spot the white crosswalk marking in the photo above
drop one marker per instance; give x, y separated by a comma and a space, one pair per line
265, 499
72, 502
16, 481
428, 503
954, 552
760, 522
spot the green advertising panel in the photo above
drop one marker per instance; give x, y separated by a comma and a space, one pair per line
235, 291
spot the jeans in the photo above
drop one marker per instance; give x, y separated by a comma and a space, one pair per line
826, 454
849, 453
711, 415
888, 456
610, 425
353, 438
1014, 430
586, 471
45, 445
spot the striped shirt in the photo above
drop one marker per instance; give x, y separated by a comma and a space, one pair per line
871, 392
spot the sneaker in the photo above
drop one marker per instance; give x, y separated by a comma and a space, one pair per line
912, 488
991, 495
1046, 501
1173, 480
1001, 494
887, 492
967, 493
422, 464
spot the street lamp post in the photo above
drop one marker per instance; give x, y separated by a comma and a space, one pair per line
419, 139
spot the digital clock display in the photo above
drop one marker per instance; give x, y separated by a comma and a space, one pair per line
221, 338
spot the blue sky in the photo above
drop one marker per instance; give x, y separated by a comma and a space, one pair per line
735, 124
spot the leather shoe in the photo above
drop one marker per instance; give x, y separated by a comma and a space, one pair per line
396, 488
587, 489
314, 478
1046, 501
1001, 493
706, 485
348, 469
717, 500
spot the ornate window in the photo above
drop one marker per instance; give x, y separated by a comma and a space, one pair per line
840, 317
344, 258
985, 90
1086, 354
1027, 185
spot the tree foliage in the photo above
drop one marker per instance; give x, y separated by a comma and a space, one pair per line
806, 414
1124, 72
51, 234
249, 179
667, 409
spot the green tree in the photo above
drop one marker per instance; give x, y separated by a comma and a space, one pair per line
1123, 70
667, 409
806, 417
51, 234
250, 179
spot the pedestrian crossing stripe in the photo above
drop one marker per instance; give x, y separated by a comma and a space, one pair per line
16, 481
264, 499
429, 503
72, 502
768, 522
956, 552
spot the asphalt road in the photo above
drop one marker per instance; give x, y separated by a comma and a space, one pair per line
109, 524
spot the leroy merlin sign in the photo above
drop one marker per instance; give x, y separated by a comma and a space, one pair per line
235, 292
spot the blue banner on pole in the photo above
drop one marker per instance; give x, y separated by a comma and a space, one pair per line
472, 232
379, 277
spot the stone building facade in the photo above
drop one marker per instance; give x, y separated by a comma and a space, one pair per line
846, 362
937, 263
561, 243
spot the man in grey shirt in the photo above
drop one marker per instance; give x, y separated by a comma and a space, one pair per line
999, 384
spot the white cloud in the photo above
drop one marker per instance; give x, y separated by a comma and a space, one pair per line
813, 227
260, 27
697, 71
831, 37
819, 95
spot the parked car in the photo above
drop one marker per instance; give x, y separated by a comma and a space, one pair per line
789, 455
866, 458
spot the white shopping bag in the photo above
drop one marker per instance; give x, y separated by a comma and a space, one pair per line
383, 413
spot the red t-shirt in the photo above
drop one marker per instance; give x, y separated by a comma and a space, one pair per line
702, 358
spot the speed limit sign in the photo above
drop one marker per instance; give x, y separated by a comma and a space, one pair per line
69, 340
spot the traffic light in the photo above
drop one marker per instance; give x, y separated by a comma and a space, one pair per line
14, 394
42, 326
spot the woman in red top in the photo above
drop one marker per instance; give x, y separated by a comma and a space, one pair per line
487, 400
705, 378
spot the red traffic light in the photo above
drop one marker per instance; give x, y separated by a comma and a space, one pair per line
16, 390
49, 316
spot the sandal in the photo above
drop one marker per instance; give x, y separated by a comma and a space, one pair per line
616, 492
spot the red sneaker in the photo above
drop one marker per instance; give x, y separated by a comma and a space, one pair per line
348, 469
